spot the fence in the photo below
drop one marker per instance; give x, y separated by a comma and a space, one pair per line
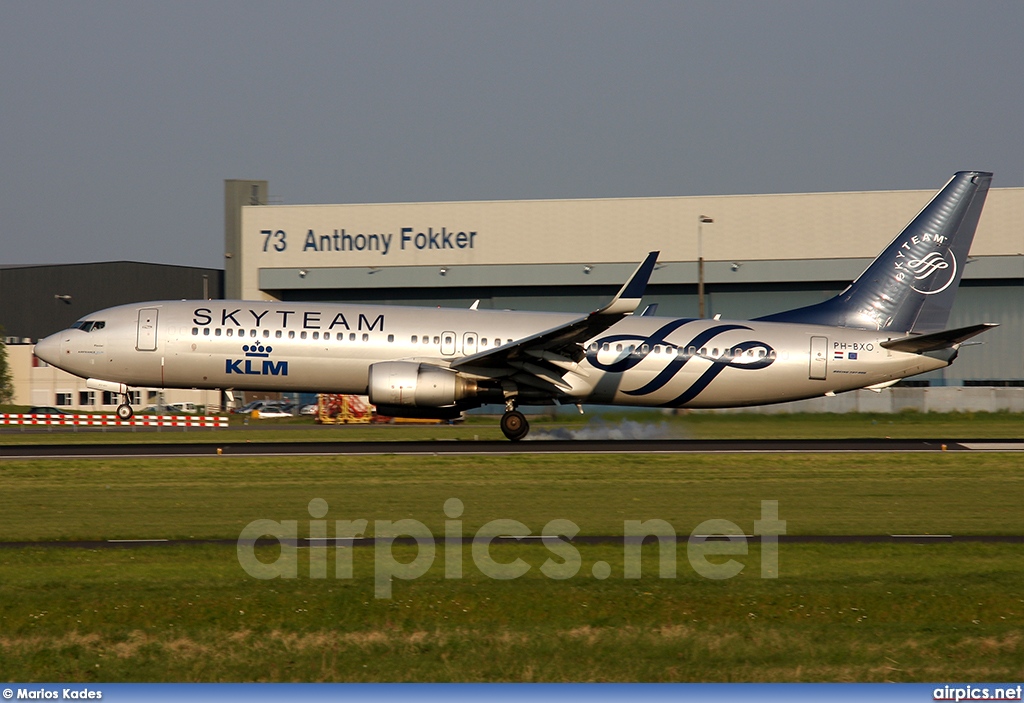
114, 420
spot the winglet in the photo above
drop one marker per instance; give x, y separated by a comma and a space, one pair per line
628, 298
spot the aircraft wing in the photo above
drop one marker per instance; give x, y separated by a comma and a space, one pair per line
541, 360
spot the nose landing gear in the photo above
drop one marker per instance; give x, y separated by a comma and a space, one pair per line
124, 410
513, 423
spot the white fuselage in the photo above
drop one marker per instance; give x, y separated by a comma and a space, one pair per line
328, 347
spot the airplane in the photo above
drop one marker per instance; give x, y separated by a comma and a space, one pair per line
438, 362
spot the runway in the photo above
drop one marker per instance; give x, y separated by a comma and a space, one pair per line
469, 448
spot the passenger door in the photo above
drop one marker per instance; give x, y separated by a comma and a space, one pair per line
146, 340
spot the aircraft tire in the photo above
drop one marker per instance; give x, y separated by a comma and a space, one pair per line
124, 411
514, 425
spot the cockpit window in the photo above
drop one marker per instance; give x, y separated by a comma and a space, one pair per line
89, 325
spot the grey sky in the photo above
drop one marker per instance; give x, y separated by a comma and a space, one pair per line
120, 120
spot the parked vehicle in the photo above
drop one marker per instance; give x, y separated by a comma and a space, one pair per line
272, 410
47, 410
183, 407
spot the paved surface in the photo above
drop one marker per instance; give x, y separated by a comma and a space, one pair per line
454, 447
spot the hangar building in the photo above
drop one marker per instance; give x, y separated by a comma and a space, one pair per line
762, 254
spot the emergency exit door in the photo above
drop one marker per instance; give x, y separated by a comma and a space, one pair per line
819, 358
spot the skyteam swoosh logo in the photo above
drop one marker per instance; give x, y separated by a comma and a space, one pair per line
735, 356
930, 265
930, 272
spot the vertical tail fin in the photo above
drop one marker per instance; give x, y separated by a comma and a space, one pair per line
910, 287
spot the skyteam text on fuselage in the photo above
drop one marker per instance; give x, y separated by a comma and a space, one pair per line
437, 362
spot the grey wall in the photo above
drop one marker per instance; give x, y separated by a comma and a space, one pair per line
29, 308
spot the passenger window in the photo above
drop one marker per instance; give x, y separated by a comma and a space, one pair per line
657, 348
437, 340
302, 335
206, 331
391, 338
703, 351
291, 334
483, 341
366, 337
426, 339
760, 353
252, 333
277, 334
447, 339
714, 351
195, 331
241, 333
644, 348
229, 332
414, 339
352, 337
216, 332
605, 346
618, 347
316, 335
266, 333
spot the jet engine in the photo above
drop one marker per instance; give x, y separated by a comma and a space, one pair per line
410, 383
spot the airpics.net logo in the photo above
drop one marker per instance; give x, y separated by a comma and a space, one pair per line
706, 546
931, 272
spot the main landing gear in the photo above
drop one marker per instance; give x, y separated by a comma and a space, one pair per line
513, 422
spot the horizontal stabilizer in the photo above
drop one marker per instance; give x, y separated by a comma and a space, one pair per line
920, 343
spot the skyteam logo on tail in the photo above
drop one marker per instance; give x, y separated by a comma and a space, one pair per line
256, 363
931, 271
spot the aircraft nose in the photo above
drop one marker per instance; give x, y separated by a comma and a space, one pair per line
48, 349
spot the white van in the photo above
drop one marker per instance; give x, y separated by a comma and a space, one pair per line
183, 407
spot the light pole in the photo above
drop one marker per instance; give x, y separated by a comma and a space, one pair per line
701, 220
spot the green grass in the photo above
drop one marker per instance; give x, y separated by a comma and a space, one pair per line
849, 613
837, 612
696, 425
215, 497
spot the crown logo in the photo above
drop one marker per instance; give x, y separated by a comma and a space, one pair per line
257, 350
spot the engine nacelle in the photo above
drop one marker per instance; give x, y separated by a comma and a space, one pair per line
410, 383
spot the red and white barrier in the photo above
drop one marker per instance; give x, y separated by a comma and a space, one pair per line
114, 421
